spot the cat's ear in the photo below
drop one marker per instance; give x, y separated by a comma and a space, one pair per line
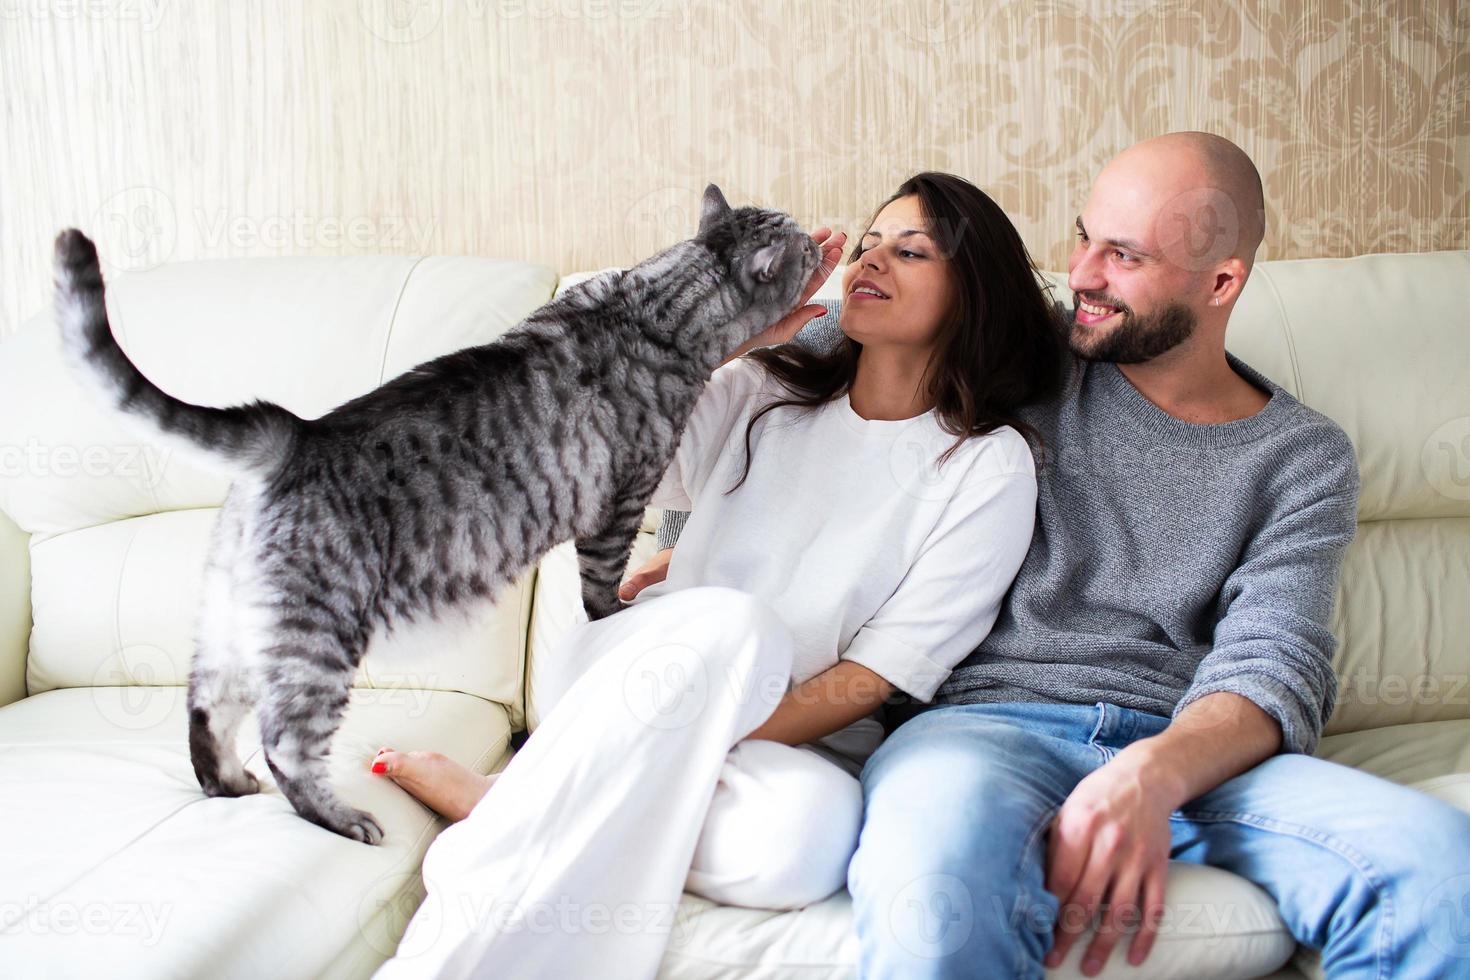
714, 207
763, 261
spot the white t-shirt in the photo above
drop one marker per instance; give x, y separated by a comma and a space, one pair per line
865, 547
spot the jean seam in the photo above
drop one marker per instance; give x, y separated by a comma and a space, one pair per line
1102, 716
1036, 830
1351, 855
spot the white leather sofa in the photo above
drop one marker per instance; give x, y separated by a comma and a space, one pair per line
113, 863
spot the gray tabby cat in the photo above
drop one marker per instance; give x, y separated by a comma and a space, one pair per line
441, 486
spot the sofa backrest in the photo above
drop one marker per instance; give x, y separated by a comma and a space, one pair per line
119, 523
1377, 343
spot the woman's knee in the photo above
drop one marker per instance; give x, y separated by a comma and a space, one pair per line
739, 629
780, 831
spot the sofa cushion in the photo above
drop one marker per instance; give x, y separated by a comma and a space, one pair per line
1217, 925
1401, 619
116, 865
1433, 757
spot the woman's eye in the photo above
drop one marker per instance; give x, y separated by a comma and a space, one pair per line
904, 251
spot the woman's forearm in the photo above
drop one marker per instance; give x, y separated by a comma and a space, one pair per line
827, 703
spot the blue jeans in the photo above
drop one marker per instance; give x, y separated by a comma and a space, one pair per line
1374, 874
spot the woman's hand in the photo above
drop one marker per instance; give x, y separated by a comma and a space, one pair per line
656, 569
789, 325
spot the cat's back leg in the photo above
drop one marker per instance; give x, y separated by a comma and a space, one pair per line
221, 689
315, 599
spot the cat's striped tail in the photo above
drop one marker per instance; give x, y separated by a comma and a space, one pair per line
250, 438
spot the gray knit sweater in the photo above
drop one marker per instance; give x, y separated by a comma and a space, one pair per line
1170, 560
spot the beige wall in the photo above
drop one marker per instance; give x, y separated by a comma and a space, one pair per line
579, 133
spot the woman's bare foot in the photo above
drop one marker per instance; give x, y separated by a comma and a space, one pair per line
440, 783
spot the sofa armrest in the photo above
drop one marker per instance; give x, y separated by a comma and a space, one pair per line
15, 609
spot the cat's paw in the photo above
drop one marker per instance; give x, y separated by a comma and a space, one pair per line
601, 609
243, 783
360, 826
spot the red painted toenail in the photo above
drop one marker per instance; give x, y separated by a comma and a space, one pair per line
380, 767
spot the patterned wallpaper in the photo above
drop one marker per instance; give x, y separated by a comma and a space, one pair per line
579, 133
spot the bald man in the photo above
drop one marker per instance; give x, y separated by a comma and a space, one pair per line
1162, 668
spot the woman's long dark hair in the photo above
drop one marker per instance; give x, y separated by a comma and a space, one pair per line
999, 347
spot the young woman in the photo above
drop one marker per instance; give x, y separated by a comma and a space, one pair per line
857, 517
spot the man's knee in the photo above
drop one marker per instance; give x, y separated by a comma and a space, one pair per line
949, 863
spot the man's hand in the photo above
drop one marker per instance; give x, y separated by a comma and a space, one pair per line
656, 569
789, 325
1110, 843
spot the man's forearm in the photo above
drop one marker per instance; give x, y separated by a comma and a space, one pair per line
827, 703
1216, 738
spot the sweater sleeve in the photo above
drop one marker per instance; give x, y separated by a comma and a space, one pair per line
951, 595
1274, 643
720, 405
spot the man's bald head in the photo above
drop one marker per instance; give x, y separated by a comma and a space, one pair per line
1207, 181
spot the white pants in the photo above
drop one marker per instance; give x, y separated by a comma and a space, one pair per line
628, 793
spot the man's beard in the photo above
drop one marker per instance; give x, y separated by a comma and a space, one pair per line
1137, 338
